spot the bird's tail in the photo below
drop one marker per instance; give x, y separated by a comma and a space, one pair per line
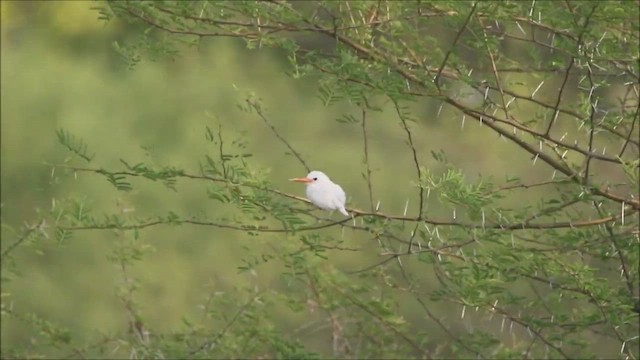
343, 211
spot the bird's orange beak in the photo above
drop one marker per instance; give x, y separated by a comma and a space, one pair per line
302, 180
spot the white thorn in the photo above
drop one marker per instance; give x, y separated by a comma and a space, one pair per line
622, 215
439, 110
502, 325
464, 308
599, 67
533, 4
486, 93
454, 213
481, 119
521, 29
378, 205
536, 90
535, 159
406, 206
583, 78
463, 117
563, 136
553, 176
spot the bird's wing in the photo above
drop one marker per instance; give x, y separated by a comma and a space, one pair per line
341, 197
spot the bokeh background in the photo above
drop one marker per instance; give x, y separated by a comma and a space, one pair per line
60, 70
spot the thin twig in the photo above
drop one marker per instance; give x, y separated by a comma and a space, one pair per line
258, 110
25, 235
384, 322
405, 126
633, 124
222, 158
495, 71
455, 41
566, 75
366, 156
226, 328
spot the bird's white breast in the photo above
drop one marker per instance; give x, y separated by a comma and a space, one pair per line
327, 196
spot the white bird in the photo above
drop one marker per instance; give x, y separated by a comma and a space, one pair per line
323, 193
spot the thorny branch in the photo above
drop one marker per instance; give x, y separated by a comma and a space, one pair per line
494, 68
602, 191
356, 213
455, 41
416, 162
568, 70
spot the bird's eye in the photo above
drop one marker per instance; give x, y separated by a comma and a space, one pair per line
314, 179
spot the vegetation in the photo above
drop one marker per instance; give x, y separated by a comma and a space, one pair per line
536, 256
